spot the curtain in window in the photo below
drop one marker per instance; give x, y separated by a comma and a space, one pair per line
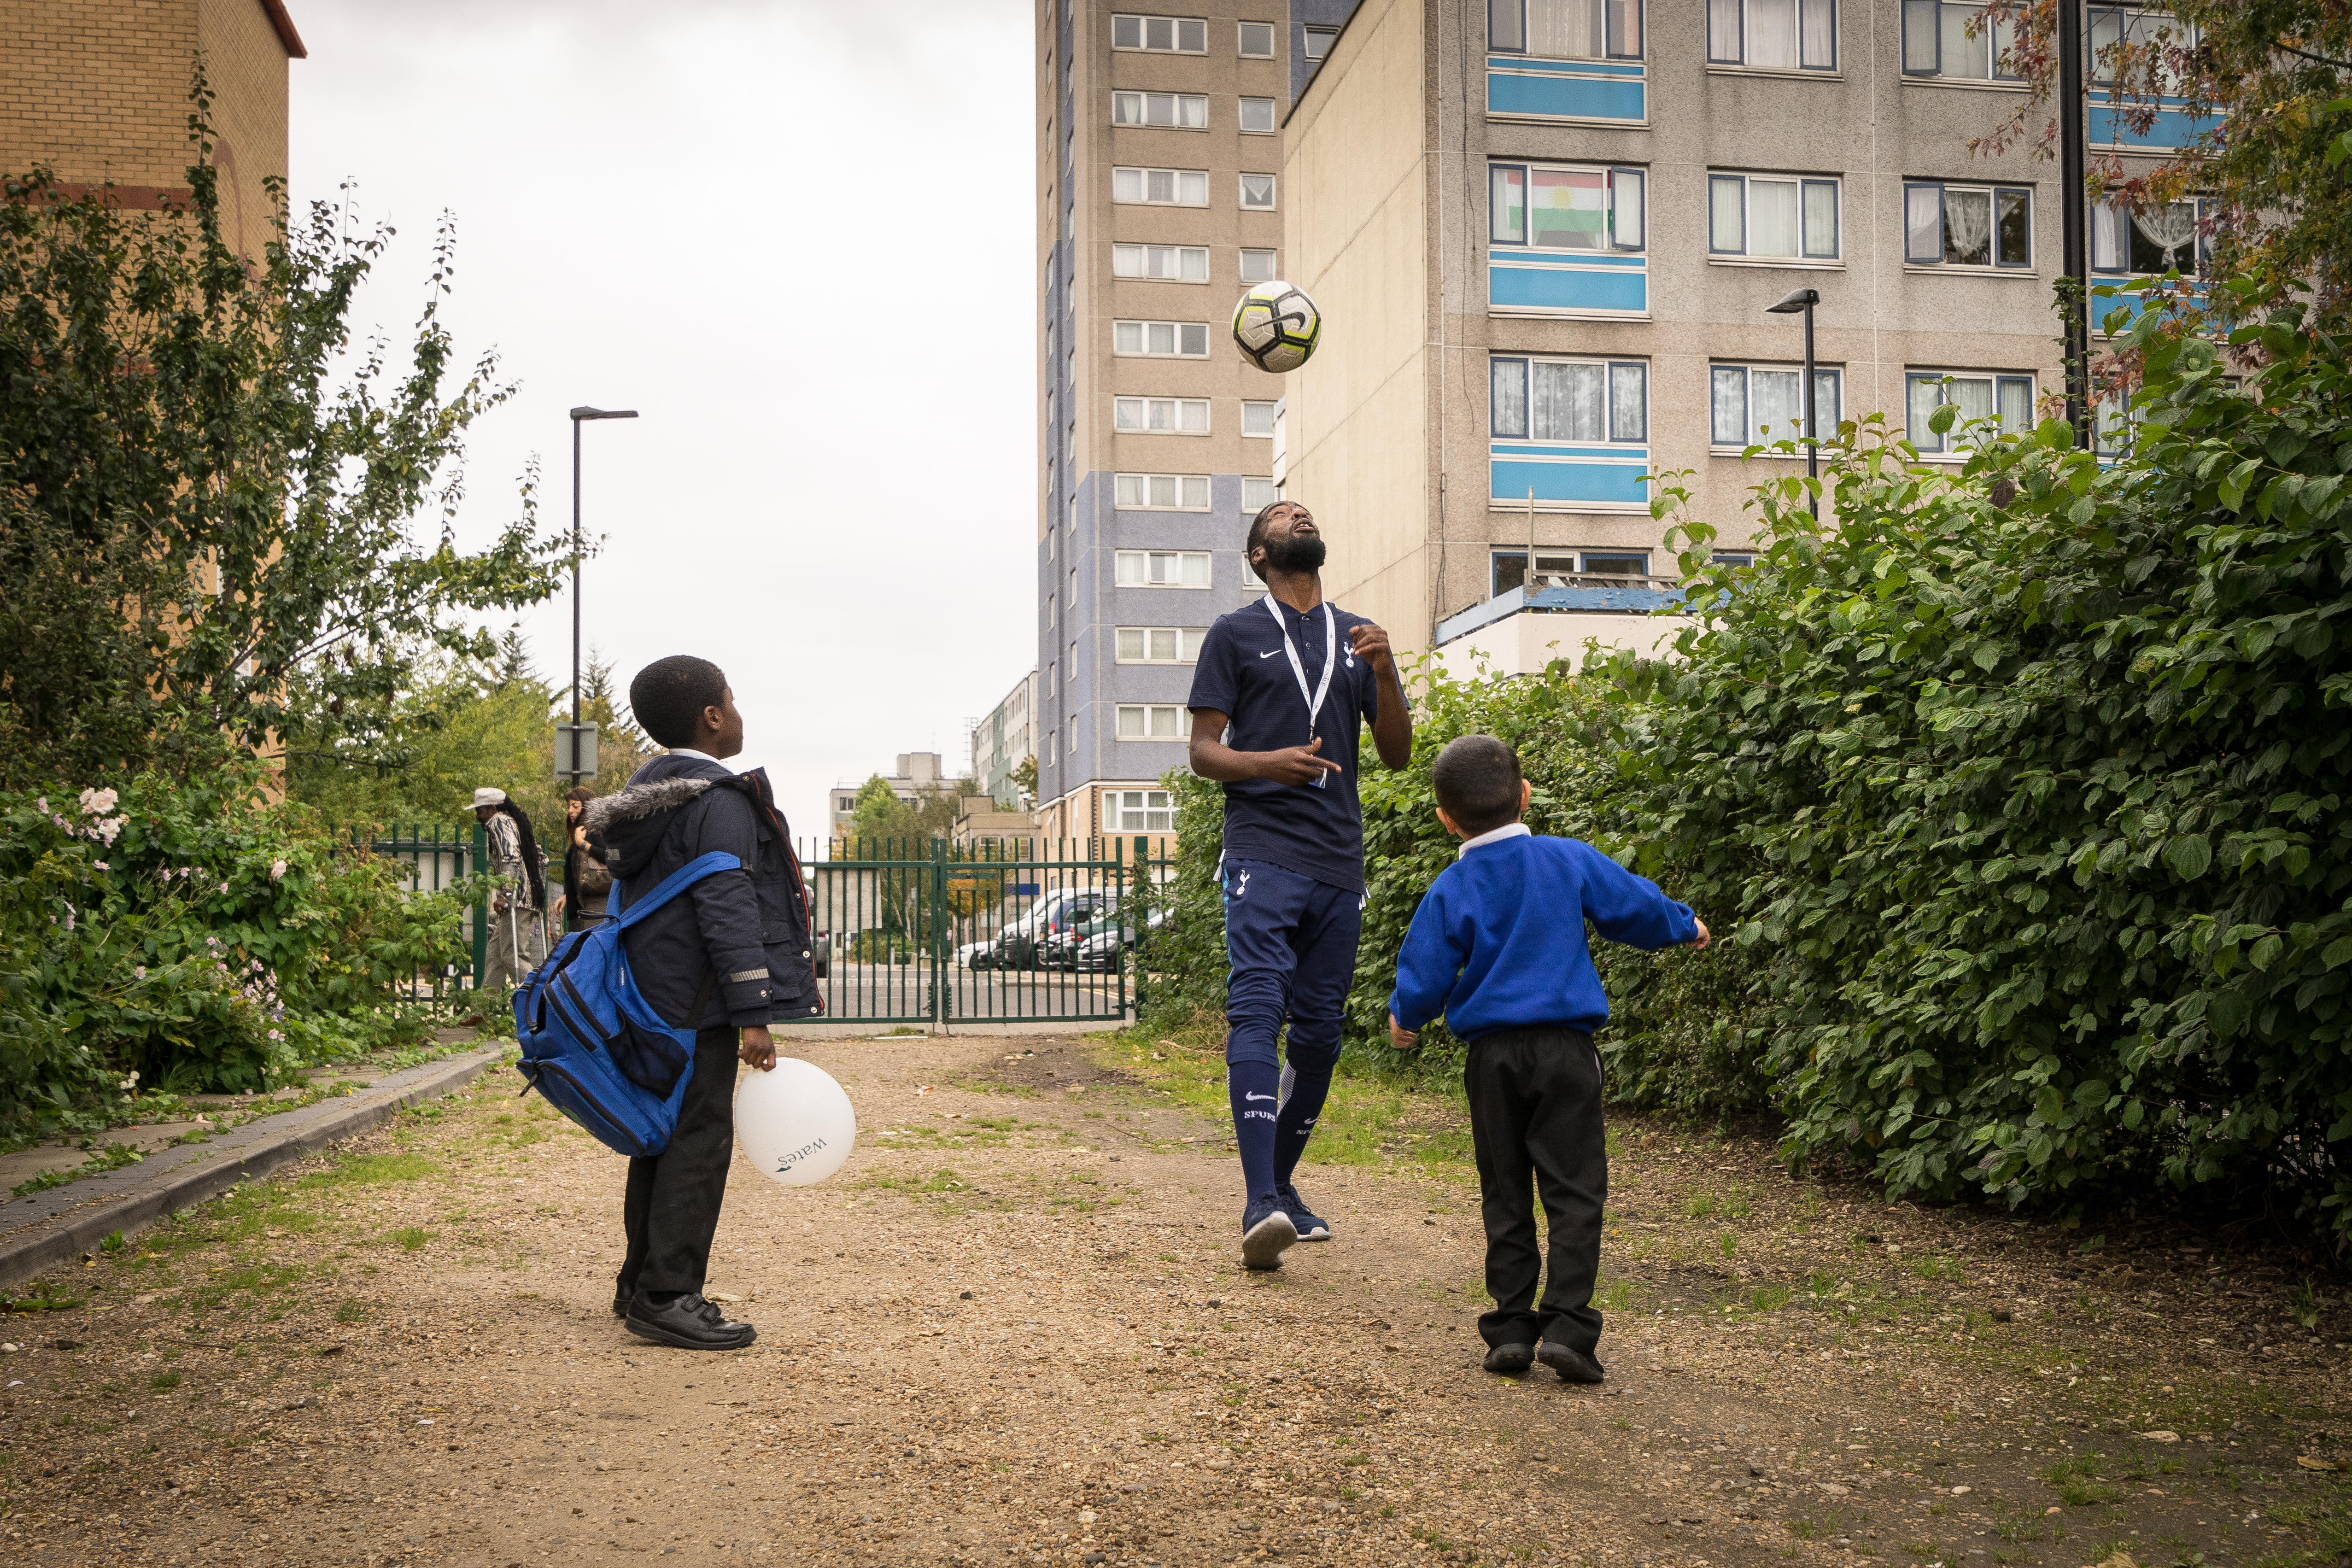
1625, 191
1821, 218
1818, 49
1771, 217
1728, 406
2170, 232
1503, 24
1964, 56
2108, 253
1510, 391
1825, 402
1566, 402
1779, 407
1506, 205
1922, 398
1920, 35
1567, 208
2014, 238
1624, 40
2016, 403
1565, 29
1727, 225
1628, 402
1968, 227
1974, 394
1772, 34
1723, 44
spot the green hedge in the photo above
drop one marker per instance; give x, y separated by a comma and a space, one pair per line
192, 937
2017, 798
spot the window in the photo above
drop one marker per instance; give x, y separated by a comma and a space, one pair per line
1149, 723
1163, 568
2142, 33
1165, 110
1161, 415
1052, 611
1615, 564
1772, 219
2009, 398
1565, 209
1258, 116
1567, 29
1258, 192
1160, 187
1073, 746
1257, 265
1772, 35
1071, 599
1171, 340
1936, 42
1144, 811
1049, 680
1256, 41
1163, 492
1160, 644
1968, 226
1572, 400
1258, 494
1257, 418
2156, 241
1319, 41
1510, 569
1160, 35
1750, 403
1167, 263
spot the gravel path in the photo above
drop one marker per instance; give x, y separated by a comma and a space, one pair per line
1015, 1330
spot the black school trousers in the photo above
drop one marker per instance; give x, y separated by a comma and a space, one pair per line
1535, 1120
671, 1206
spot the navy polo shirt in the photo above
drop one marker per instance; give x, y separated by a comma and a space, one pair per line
1242, 673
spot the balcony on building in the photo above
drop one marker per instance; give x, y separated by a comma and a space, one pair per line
1524, 628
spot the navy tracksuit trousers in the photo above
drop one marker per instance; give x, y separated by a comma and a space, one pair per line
1291, 942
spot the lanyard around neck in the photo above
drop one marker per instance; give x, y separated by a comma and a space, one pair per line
1298, 666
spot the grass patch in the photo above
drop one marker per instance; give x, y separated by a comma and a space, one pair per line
367, 1169
411, 1238
46, 1296
103, 1158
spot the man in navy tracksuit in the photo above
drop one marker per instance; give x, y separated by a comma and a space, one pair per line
1279, 692
726, 959
1498, 946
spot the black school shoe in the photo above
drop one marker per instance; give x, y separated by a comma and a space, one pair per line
690, 1323
1510, 1358
621, 1300
1573, 1365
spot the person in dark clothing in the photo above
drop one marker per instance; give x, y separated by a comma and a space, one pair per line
587, 881
726, 958
1498, 945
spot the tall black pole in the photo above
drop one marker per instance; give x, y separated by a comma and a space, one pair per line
1812, 431
575, 601
2074, 287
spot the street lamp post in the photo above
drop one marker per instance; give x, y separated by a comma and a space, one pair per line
1789, 304
580, 416
2072, 159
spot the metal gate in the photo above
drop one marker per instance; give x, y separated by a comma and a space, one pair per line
432, 862
935, 930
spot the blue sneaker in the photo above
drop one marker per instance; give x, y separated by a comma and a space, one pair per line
1309, 1228
1267, 1234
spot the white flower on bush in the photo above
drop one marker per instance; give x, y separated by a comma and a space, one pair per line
41, 803
108, 827
130, 1082
98, 802
139, 971
70, 912
100, 865
275, 1035
224, 887
277, 870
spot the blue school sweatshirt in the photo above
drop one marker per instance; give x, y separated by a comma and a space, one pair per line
1498, 940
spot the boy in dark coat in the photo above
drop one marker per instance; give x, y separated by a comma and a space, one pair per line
1498, 945
726, 959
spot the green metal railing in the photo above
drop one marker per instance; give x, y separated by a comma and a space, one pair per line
437, 859
932, 930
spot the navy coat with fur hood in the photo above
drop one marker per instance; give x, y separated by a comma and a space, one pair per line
740, 939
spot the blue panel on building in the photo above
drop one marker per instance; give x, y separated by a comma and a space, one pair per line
1565, 97
2171, 129
1564, 288
1614, 484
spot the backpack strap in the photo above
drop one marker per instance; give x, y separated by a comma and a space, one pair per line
677, 882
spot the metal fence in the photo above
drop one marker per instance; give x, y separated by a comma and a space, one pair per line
434, 860
933, 931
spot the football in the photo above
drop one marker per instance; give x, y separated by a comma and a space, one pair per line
1276, 327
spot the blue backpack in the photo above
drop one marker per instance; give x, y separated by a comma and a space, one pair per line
590, 1044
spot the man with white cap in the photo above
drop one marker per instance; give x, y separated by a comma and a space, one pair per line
515, 859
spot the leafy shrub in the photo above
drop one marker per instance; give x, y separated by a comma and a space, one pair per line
192, 936
2021, 791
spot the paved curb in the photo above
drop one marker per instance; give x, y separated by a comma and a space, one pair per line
39, 1232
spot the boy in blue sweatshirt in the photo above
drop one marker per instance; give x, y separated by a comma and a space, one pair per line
1498, 946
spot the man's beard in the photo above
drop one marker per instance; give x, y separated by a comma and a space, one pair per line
1293, 553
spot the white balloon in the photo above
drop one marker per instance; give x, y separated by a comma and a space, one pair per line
795, 1124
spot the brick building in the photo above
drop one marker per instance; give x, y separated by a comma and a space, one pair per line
98, 90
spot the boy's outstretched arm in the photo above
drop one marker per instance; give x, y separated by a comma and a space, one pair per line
1427, 966
1631, 908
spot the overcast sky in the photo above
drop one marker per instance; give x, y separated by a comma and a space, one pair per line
798, 236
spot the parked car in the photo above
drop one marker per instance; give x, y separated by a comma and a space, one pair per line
1034, 941
976, 955
1097, 953
1059, 950
822, 949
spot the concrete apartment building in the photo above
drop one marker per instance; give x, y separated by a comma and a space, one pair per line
1005, 739
1543, 235
916, 774
1159, 156
98, 90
